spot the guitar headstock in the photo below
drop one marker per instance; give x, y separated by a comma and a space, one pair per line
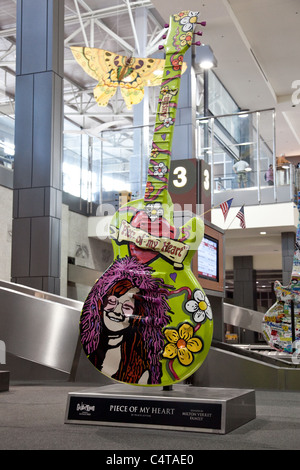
181, 32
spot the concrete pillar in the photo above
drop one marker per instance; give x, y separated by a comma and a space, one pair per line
185, 127
244, 294
244, 282
139, 161
288, 246
38, 142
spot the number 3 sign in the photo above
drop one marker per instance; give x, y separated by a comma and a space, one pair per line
181, 179
183, 176
189, 183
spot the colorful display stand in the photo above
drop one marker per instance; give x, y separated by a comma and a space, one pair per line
183, 408
147, 322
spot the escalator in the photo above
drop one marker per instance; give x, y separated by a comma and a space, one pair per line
39, 327
252, 320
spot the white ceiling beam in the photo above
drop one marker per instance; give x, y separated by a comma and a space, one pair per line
107, 12
75, 33
121, 41
85, 6
92, 32
137, 43
7, 63
9, 51
153, 45
81, 24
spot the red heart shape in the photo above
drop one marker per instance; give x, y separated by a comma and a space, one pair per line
158, 228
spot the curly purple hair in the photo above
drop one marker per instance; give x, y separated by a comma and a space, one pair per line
153, 294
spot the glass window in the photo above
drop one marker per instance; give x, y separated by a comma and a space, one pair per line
7, 146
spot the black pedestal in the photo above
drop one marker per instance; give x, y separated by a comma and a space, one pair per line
4, 380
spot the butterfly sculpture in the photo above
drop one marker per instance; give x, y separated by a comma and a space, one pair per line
112, 70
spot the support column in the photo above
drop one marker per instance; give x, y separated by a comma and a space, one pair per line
38, 141
288, 247
185, 127
139, 162
244, 294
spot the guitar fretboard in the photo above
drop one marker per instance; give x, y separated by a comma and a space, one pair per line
160, 157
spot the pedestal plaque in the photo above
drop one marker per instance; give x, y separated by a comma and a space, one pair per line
185, 408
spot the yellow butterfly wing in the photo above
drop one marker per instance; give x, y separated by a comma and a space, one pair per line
89, 59
141, 73
151, 70
132, 95
98, 64
105, 67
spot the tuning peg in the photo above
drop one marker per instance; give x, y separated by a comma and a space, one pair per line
160, 47
167, 25
203, 23
199, 33
164, 36
198, 43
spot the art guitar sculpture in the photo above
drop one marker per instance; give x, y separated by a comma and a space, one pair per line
281, 323
147, 321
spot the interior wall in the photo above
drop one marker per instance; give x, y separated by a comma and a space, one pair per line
75, 243
268, 261
85, 252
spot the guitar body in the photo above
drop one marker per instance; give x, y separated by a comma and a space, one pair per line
281, 323
147, 321
277, 322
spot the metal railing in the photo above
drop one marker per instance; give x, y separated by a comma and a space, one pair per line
96, 168
224, 140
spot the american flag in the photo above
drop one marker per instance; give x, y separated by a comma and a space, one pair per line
225, 206
240, 215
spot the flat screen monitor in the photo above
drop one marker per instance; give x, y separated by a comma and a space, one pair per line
207, 263
208, 256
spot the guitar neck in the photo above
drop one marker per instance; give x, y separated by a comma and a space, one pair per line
160, 157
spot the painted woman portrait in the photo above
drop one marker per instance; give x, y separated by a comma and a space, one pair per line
122, 321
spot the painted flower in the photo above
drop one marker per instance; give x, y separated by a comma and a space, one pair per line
160, 169
154, 152
177, 63
154, 210
182, 344
189, 21
168, 122
180, 15
164, 90
149, 188
185, 39
199, 307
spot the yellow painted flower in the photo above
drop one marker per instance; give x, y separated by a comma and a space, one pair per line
180, 15
154, 152
182, 344
185, 39
164, 90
